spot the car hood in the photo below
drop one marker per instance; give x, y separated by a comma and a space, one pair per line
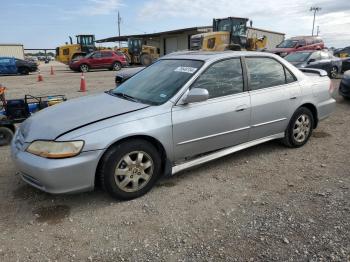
297, 64
62, 118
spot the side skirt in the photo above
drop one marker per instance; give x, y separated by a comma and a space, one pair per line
223, 152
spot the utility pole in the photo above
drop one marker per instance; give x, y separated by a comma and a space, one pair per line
119, 20
314, 9
318, 30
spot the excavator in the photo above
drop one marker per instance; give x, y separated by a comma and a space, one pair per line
85, 44
138, 53
228, 34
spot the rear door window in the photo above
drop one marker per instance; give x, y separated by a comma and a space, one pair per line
107, 54
264, 72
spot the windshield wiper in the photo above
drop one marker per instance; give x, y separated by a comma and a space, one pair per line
125, 96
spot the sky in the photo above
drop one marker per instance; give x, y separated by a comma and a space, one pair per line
47, 24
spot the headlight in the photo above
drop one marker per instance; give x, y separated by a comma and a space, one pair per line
53, 149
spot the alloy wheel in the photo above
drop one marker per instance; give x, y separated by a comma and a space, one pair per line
84, 68
134, 171
334, 72
116, 67
302, 128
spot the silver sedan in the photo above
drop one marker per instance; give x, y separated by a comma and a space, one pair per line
184, 110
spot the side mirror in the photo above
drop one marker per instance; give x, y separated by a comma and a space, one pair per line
119, 79
311, 61
196, 95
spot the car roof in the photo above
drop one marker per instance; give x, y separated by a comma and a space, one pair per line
212, 55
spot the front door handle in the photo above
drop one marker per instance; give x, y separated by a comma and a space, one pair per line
293, 97
241, 108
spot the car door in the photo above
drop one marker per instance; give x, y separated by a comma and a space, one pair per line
96, 60
107, 59
8, 65
314, 60
272, 97
219, 122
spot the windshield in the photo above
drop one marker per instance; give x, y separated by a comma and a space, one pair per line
288, 44
157, 83
297, 57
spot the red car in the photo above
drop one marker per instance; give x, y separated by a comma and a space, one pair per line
298, 43
107, 59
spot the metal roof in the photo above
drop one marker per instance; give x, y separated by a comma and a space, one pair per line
125, 37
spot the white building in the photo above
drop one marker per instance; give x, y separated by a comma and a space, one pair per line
12, 50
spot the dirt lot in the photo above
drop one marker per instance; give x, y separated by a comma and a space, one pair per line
267, 203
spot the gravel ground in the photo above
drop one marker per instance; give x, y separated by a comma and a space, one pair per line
266, 203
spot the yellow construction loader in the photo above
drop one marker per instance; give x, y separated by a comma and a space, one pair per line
85, 44
138, 53
228, 34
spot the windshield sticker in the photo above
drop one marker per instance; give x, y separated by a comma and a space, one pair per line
162, 95
186, 69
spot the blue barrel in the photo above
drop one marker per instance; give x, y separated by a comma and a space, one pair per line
33, 107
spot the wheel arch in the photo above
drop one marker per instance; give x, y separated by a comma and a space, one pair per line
166, 165
313, 110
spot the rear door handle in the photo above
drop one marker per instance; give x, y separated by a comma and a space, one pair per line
293, 97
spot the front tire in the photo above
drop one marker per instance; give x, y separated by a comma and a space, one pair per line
84, 68
146, 59
299, 129
130, 169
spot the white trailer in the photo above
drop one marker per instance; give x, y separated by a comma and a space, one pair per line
12, 50
273, 38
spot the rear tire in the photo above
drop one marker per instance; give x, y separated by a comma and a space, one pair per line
299, 128
6, 136
23, 71
130, 169
117, 66
333, 73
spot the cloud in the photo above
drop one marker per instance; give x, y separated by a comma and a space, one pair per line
95, 8
292, 17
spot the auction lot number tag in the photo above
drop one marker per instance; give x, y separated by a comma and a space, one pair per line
186, 69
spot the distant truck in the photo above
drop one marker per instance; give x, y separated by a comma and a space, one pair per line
298, 43
12, 50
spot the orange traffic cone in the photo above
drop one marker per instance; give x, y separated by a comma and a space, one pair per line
52, 72
82, 83
40, 77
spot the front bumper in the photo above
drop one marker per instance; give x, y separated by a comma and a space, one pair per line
56, 176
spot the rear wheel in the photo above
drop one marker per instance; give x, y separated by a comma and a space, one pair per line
333, 72
130, 169
300, 128
117, 66
23, 71
146, 59
6, 136
84, 68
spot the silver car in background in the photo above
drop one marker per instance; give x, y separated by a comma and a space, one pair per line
184, 110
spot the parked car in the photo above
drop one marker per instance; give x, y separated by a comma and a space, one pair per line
11, 65
126, 74
344, 87
345, 64
184, 110
112, 60
298, 43
342, 52
316, 59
